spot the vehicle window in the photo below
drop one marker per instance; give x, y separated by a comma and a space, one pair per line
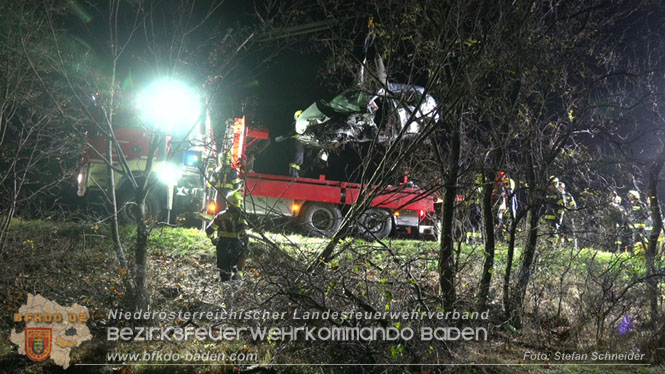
351, 101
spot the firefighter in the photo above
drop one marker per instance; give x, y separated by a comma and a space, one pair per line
474, 234
566, 222
616, 223
224, 180
637, 217
507, 203
231, 239
299, 148
553, 208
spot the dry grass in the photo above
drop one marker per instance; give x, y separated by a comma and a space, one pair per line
74, 263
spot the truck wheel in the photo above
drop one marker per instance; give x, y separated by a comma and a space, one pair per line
321, 219
375, 224
128, 210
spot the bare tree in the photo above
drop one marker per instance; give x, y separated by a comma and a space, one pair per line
139, 42
37, 150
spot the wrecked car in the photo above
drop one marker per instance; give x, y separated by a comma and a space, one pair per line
356, 116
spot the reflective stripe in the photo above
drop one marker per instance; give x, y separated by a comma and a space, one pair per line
228, 225
639, 225
295, 166
228, 185
206, 217
225, 178
550, 217
232, 235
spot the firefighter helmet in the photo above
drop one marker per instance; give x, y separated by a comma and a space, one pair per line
617, 200
297, 114
634, 194
225, 158
234, 198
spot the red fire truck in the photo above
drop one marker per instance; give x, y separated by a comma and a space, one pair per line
178, 180
319, 204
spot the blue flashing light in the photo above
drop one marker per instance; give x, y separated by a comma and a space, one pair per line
192, 159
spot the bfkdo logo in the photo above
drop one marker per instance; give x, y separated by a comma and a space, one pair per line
51, 330
38, 343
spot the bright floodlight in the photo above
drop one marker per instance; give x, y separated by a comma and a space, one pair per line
169, 104
168, 173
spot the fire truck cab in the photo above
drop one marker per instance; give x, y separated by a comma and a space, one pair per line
178, 181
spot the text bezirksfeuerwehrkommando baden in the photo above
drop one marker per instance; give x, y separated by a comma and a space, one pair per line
277, 333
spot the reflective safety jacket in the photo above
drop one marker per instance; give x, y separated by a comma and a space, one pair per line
638, 214
616, 215
225, 178
229, 224
568, 201
508, 198
554, 206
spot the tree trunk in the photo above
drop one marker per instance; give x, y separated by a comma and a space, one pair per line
652, 247
115, 231
488, 231
516, 306
5, 223
446, 254
509, 259
141, 252
509, 267
142, 233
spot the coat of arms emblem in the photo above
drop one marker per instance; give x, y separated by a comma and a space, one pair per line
38, 343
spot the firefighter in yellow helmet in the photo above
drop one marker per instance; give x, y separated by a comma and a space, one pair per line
298, 158
553, 209
228, 233
224, 179
567, 222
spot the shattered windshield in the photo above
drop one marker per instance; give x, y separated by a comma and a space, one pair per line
350, 101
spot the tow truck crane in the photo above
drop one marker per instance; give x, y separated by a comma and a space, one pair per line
319, 204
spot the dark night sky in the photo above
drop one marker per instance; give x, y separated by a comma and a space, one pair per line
288, 82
